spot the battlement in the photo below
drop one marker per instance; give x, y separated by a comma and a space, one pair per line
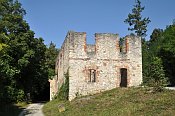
107, 45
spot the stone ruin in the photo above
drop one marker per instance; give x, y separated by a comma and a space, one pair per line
107, 64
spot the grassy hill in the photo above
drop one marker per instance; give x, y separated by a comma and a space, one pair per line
119, 101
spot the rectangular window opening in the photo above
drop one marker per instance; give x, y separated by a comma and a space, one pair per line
92, 75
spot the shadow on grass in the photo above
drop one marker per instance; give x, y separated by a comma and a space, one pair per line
10, 109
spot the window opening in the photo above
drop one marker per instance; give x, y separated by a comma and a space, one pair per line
92, 75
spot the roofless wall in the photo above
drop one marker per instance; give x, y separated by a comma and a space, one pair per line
99, 67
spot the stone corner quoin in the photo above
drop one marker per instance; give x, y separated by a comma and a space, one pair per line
107, 64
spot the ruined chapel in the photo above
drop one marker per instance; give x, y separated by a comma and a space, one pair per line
107, 64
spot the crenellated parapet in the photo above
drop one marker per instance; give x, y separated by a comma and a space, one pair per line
107, 45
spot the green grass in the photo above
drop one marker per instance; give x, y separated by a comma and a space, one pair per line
12, 109
119, 101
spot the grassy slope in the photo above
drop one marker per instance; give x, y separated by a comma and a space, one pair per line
120, 101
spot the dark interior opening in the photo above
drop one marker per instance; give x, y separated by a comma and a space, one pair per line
92, 76
123, 73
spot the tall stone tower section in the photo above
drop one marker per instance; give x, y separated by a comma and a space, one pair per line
107, 45
134, 54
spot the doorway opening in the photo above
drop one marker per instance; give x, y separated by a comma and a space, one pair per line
123, 77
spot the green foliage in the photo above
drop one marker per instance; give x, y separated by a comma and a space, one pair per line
157, 78
11, 23
161, 45
24, 66
63, 93
167, 52
2, 46
151, 49
51, 55
135, 19
155, 36
145, 61
20, 96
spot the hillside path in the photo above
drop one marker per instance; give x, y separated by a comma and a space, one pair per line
170, 88
34, 109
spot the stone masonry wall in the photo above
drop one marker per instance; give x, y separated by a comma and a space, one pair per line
62, 64
104, 57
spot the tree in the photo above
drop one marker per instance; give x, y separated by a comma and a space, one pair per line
10, 14
51, 55
135, 19
167, 52
156, 34
150, 50
157, 74
139, 26
161, 45
22, 61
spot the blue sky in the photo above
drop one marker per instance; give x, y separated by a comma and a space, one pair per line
52, 19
